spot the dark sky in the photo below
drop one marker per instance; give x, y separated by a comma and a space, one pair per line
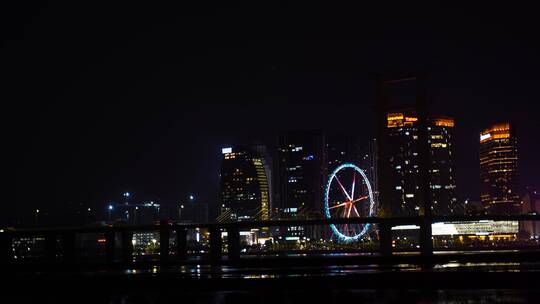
100, 99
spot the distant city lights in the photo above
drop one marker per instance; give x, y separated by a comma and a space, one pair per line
127, 194
110, 207
226, 150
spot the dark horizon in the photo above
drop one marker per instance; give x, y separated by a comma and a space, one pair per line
100, 102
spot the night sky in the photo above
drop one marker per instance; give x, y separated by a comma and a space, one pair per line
100, 99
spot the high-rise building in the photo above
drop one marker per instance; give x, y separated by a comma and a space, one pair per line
342, 149
442, 177
245, 190
369, 164
301, 168
404, 197
498, 169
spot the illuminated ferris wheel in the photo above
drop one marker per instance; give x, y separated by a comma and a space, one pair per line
348, 194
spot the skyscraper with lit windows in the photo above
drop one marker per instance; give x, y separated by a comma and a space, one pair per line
302, 168
404, 197
498, 169
244, 185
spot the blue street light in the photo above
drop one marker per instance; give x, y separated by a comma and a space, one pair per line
110, 207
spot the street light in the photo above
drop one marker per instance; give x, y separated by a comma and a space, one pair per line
180, 212
36, 217
109, 210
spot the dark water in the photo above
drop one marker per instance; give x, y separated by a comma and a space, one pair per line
401, 283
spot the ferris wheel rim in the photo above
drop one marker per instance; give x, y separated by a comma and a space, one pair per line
366, 227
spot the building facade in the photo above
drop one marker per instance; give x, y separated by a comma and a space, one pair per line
498, 169
404, 195
302, 169
244, 185
342, 149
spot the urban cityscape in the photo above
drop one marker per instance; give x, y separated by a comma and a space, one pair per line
307, 183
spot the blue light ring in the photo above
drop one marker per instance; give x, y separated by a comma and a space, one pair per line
340, 235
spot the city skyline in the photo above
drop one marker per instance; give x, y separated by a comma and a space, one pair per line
82, 135
357, 158
268, 152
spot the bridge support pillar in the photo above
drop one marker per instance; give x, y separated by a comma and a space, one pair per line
215, 243
50, 246
164, 245
426, 241
385, 239
110, 245
233, 243
127, 247
68, 245
5, 247
181, 243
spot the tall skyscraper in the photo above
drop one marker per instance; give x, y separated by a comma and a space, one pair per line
404, 196
348, 149
342, 149
245, 191
301, 172
442, 177
369, 164
498, 169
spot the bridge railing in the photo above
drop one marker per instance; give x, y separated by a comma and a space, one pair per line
61, 246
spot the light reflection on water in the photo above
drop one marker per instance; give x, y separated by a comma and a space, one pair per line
208, 271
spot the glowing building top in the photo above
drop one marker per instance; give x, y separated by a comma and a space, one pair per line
498, 169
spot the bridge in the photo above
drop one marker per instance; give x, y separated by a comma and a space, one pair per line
227, 269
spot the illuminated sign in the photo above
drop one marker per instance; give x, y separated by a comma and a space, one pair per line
443, 122
485, 136
486, 227
292, 238
226, 150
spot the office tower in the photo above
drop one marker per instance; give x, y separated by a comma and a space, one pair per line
368, 163
404, 197
498, 169
301, 168
342, 149
245, 192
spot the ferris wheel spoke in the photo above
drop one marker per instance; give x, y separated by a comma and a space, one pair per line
356, 211
353, 183
360, 199
343, 188
338, 205
349, 211
353, 230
